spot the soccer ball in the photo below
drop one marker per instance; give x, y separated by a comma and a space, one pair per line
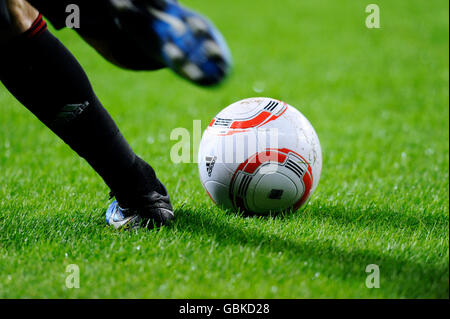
261, 156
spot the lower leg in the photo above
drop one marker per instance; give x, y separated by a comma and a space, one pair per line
44, 76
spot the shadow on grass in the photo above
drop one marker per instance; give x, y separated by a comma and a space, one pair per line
380, 216
401, 274
370, 215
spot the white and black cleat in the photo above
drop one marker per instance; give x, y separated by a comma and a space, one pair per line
119, 218
152, 210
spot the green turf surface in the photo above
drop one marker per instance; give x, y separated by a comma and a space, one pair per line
379, 102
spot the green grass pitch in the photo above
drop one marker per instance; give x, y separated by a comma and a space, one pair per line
378, 99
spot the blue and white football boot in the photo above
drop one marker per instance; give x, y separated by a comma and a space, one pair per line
149, 211
120, 218
177, 37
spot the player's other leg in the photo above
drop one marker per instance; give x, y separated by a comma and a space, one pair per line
5, 20
46, 78
186, 41
149, 34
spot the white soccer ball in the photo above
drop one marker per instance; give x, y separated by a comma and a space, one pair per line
260, 155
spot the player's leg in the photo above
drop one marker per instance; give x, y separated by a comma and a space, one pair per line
45, 77
5, 20
15, 18
149, 34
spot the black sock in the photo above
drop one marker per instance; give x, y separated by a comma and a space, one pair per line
45, 77
4, 15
